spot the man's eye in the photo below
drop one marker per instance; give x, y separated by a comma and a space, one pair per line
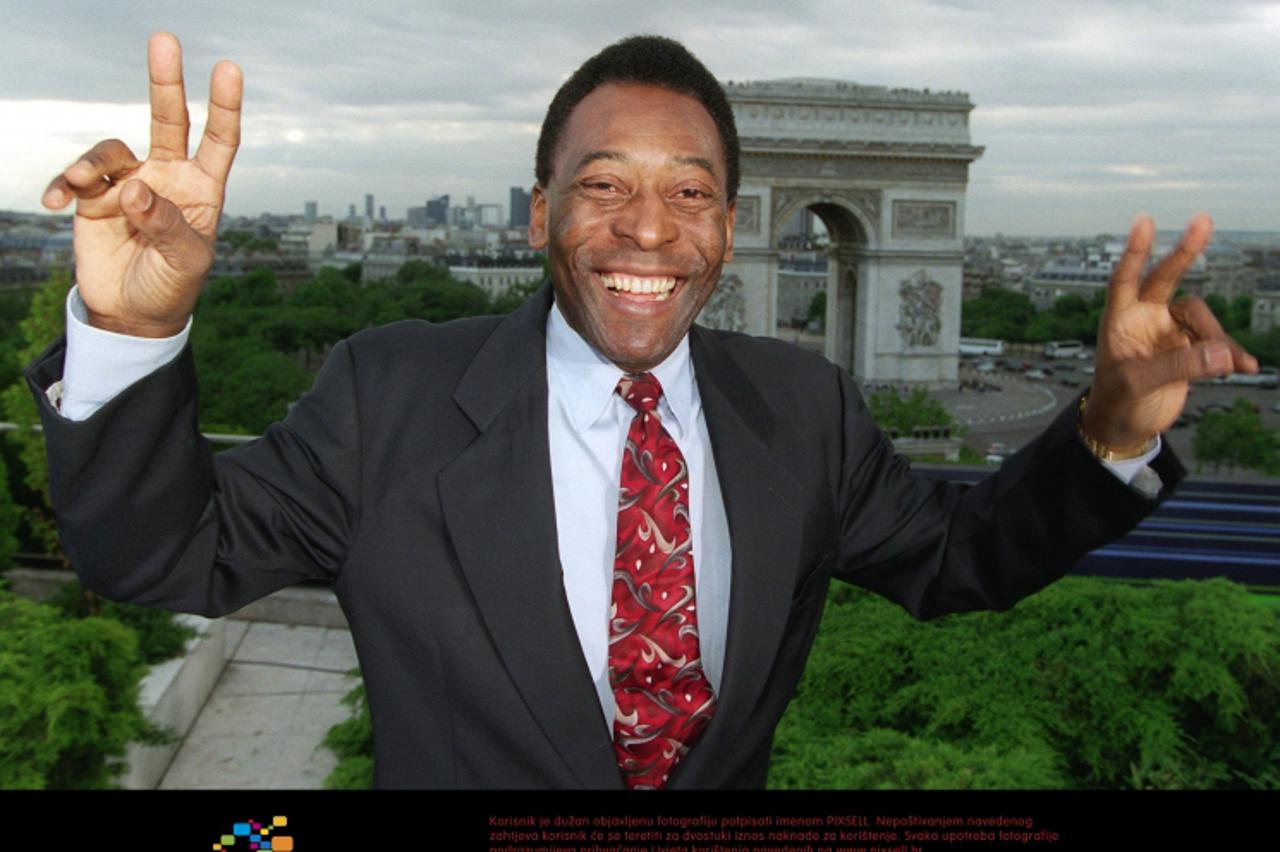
693, 193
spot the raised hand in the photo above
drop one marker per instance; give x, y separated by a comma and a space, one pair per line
1150, 350
144, 230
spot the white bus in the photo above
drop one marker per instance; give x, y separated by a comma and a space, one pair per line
981, 346
1266, 377
1063, 348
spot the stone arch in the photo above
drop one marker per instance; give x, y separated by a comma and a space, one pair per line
845, 218
886, 171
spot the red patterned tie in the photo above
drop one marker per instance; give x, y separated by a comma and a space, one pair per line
663, 697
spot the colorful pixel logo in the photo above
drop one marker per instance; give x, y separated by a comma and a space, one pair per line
252, 835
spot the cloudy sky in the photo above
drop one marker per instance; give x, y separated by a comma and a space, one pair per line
1089, 112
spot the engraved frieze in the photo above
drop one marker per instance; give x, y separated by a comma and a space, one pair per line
924, 219
783, 166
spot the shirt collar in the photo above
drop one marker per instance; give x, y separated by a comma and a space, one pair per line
586, 379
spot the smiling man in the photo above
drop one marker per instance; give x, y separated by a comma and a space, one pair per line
636, 214
585, 545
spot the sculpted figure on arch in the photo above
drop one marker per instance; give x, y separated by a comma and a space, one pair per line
471, 488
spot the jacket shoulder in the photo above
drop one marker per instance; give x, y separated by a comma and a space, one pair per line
768, 360
402, 349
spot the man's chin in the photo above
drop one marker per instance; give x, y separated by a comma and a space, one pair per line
640, 359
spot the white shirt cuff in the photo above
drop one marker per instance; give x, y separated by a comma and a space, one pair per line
100, 364
1135, 472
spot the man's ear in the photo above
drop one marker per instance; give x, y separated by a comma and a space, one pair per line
730, 217
537, 218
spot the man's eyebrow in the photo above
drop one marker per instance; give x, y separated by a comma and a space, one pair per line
701, 162
592, 156
620, 157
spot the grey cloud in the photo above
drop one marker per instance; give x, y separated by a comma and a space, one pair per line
1185, 88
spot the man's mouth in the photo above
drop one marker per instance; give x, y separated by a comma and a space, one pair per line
659, 287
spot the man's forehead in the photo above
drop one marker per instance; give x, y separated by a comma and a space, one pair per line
623, 105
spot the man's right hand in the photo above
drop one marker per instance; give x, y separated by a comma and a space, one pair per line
144, 230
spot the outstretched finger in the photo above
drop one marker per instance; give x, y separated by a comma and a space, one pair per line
222, 130
170, 123
1163, 279
1123, 289
92, 174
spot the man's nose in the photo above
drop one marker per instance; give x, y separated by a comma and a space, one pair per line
646, 221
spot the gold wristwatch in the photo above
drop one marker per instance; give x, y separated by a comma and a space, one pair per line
1102, 451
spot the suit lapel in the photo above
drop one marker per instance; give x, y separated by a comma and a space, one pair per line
764, 505
499, 507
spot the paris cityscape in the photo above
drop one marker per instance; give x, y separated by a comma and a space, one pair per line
934, 197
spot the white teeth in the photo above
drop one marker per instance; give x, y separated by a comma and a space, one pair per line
662, 287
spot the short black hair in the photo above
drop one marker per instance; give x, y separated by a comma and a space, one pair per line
650, 60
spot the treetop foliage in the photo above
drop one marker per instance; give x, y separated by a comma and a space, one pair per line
1089, 684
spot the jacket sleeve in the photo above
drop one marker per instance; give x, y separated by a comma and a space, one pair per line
939, 547
148, 514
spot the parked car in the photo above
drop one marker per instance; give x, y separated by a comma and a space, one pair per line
1063, 348
1034, 374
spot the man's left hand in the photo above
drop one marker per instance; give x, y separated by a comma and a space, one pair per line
1149, 350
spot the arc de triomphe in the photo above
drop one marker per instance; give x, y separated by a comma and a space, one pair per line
885, 170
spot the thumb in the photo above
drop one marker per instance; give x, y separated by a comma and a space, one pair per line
162, 223
1200, 360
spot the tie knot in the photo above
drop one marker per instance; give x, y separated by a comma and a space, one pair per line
641, 391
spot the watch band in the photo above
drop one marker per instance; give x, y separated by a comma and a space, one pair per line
1102, 451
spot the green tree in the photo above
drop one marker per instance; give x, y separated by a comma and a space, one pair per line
1236, 438
1236, 315
69, 694
45, 321
1240, 314
1264, 346
14, 307
513, 297
245, 385
1071, 317
818, 308
900, 415
997, 313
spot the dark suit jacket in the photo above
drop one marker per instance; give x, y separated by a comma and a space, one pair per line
416, 477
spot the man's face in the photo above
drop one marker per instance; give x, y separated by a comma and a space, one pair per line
635, 220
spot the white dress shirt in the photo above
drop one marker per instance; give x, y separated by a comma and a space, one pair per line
587, 424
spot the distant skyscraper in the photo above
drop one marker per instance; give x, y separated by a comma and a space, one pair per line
438, 210
352, 214
519, 207
382, 212
416, 217
313, 211
368, 207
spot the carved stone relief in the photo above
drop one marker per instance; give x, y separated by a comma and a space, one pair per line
924, 219
748, 216
920, 310
726, 309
